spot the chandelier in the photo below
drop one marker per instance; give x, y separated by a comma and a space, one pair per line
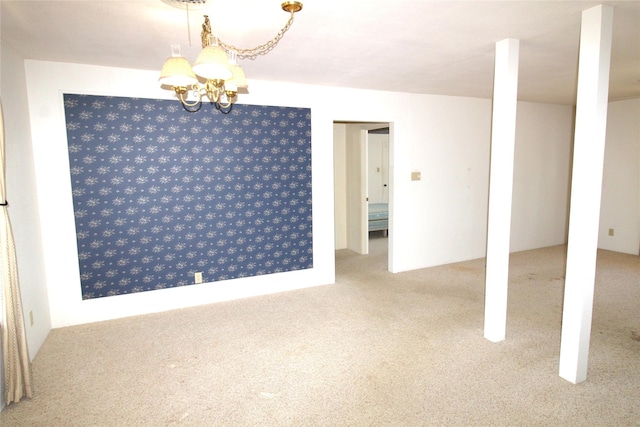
215, 75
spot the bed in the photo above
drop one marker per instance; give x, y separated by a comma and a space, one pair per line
379, 217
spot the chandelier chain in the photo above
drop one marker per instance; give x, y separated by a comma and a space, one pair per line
262, 49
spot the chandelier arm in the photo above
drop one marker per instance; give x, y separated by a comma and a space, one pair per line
193, 108
196, 90
223, 109
227, 105
262, 49
219, 104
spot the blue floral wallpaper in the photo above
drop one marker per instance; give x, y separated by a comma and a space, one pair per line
160, 194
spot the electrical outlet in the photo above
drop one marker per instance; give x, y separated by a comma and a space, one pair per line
31, 318
198, 277
611, 232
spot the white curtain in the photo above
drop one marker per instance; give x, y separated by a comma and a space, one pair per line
15, 353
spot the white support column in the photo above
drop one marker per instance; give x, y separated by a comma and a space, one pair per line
586, 190
503, 135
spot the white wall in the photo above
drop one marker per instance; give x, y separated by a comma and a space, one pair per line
541, 176
24, 210
441, 218
620, 208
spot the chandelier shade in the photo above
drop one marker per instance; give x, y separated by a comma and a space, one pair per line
177, 72
238, 81
212, 64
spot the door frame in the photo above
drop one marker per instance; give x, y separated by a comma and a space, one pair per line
357, 208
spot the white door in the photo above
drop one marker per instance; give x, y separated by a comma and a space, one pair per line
385, 169
356, 160
378, 168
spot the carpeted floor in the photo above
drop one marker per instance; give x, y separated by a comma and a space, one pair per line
374, 349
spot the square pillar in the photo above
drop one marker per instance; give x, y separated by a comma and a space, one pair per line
503, 136
586, 190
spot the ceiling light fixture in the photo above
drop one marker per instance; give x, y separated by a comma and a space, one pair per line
213, 74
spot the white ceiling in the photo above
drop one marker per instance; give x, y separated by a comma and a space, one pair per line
436, 47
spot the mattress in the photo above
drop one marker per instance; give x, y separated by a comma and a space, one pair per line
378, 216
378, 211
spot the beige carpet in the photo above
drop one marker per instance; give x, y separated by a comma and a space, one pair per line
375, 349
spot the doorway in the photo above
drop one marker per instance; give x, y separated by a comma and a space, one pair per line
363, 189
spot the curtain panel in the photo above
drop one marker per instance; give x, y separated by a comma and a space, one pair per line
15, 353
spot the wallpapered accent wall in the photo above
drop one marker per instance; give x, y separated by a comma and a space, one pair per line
160, 194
